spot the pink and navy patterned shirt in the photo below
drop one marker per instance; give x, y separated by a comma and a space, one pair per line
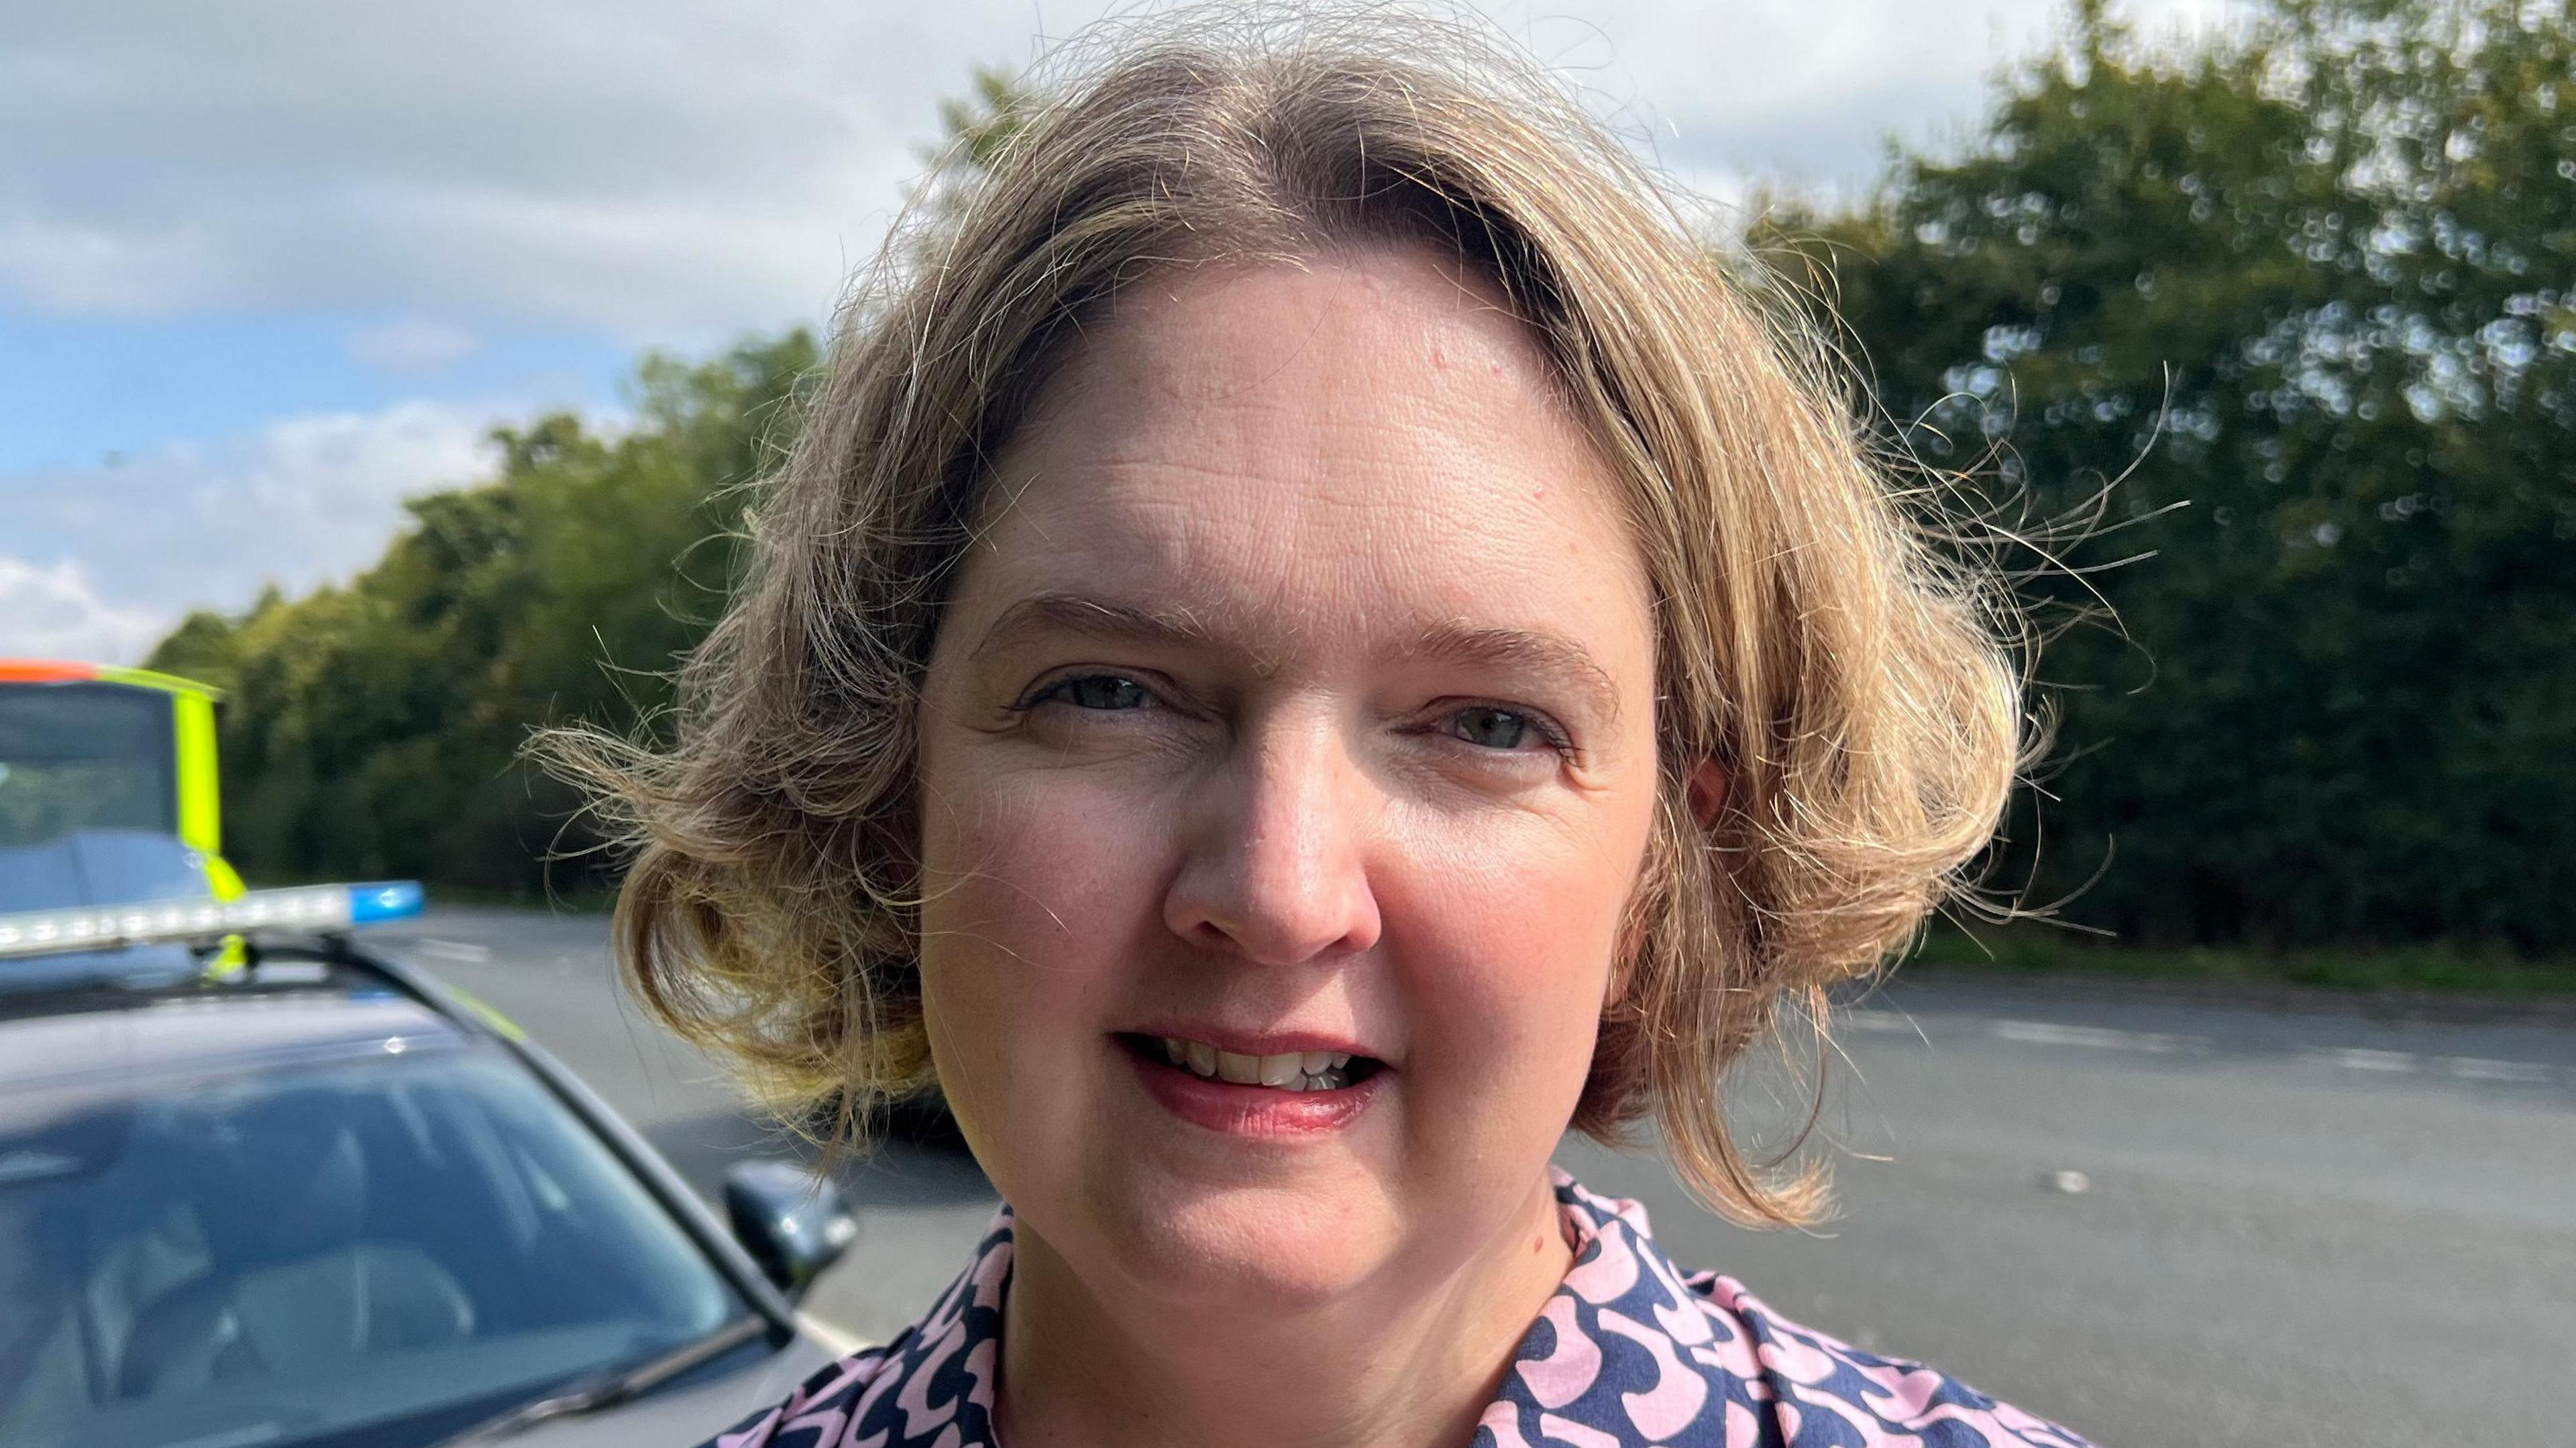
1628, 1353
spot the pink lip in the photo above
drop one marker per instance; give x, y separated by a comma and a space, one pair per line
1259, 1112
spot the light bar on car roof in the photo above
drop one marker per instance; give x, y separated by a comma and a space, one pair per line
152, 922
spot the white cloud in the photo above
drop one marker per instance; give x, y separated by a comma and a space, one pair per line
411, 345
664, 171
303, 501
674, 172
54, 612
73, 265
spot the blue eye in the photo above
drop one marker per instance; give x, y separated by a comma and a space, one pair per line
1491, 728
1100, 691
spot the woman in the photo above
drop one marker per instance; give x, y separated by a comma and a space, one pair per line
1311, 642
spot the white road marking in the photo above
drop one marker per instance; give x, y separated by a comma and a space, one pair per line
1879, 1020
2479, 1068
831, 1334
2357, 1058
2100, 1038
456, 950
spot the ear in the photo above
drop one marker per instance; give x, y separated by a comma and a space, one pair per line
1707, 792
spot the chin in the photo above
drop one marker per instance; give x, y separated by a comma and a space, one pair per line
1283, 1247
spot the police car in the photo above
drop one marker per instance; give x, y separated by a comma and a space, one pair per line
312, 1197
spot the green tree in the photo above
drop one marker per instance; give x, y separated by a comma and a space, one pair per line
374, 729
986, 121
2306, 293
975, 128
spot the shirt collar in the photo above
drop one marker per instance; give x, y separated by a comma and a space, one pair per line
1627, 1352
934, 1384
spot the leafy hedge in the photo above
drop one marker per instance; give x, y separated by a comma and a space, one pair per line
373, 729
2308, 296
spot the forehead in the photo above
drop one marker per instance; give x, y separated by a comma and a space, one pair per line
1359, 444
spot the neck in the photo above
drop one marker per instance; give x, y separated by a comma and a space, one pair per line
1390, 1368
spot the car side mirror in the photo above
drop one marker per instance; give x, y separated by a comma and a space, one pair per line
792, 1222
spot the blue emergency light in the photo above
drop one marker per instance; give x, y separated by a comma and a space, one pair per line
152, 922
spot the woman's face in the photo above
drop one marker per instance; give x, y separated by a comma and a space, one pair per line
1294, 716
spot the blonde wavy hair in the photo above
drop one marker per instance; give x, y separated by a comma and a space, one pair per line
1856, 682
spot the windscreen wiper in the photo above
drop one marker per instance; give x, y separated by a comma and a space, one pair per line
607, 1388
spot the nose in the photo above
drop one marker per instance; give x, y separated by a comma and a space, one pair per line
1275, 865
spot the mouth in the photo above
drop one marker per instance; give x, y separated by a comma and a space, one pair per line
1278, 1093
1291, 1071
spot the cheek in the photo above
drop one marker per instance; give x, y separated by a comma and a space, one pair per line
1028, 866
1032, 896
1507, 952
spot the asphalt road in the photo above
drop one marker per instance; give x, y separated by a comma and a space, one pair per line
2282, 1227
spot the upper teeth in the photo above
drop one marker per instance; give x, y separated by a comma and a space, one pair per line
1288, 1071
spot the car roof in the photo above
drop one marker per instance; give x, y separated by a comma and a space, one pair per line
64, 1036
59, 671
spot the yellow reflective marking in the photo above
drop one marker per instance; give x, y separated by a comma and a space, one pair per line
200, 789
489, 1016
152, 679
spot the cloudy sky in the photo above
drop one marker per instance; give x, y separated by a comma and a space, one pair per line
267, 268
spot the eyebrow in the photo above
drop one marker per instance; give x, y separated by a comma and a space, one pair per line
1522, 649
1460, 644
1075, 613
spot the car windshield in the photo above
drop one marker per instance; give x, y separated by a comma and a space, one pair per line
84, 755
373, 1251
